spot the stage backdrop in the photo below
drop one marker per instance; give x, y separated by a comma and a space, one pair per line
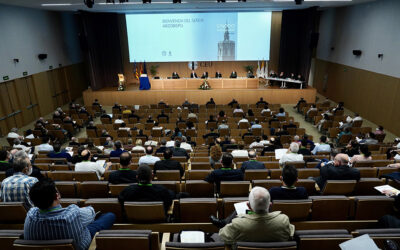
165, 69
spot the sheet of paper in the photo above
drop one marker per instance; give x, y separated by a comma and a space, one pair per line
30, 156
71, 153
387, 190
359, 243
101, 162
241, 207
192, 237
100, 147
111, 115
69, 148
280, 152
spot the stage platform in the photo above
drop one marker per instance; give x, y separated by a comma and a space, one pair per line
132, 95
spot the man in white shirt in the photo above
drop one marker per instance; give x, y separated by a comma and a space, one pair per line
150, 142
291, 155
45, 146
240, 152
17, 144
186, 145
148, 158
87, 165
243, 120
238, 110
322, 147
14, 134
223, 125
118, 120
357, 117
257, 143
256, 124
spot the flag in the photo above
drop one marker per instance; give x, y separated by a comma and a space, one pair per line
258, 69
135, 71
144, 68
262, 69
141, 69
266, 69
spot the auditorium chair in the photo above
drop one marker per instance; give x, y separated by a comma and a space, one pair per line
65, 202
275, 173
12, 212
321, 239
372, 207
240, 159
339, 187
386, 170
171, 185
68, 189
267, 184
105, 205
145, 212
308, 184
271, 164
94, 189
8, 236
380, 235
344, 140
85, 176
304, 173
226, 206
363, 164
296, 210
256, 174
68, 244
168, 175
127, 239
195, 210
199, 188
115, 189
234, 188
196, 174
367, 172
285, 245
333, 207
366, 186
61, 167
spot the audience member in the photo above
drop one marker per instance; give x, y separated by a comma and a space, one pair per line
252, 163
288, 190
59, 153
322, 147
365, 155
87, 165
168, 163
118, 149
178, 151
124, 174
291, 155
148, 159
138, 147
45, 146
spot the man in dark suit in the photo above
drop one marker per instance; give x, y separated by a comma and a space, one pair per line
339, 170
233, 74
168, 163
250, 74
288, 191
252, 163
178, 151
118, 150
175, 75
218, 74
211, 134
124, 174
162, 147
133, 115
193, 74
225, 173
163, 115
204, 75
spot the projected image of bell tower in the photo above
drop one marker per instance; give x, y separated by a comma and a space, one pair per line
226, 48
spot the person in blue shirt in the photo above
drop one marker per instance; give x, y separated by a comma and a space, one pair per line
58, 153
322, 147
252, 163
118, 149
48, 220
288, 190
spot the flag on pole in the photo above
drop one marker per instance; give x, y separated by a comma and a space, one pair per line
141, 69
135, 71
266, 69
262, 69
258, 69
144, 68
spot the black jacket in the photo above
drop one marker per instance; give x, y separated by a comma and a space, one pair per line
122, 176
330, 172
168, 165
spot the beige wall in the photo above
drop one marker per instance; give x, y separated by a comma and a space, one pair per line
372, 95
166, 69
39, 94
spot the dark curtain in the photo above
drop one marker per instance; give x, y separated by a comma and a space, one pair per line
298, 39
100, 40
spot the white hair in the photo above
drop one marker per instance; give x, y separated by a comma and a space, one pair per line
296, 138
259, 199
20, 154
294, 147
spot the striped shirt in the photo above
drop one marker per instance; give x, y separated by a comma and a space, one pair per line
16, 188
60, 223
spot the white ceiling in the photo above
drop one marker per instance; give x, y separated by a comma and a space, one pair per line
134, 6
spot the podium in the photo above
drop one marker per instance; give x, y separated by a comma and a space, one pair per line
144, 82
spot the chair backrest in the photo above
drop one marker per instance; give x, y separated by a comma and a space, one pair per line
145, 212
7, 237
199, 188
195, 246
295, 209
106, 205
85, 176
115, 189
12, 212
67, 244
380, 235
339, 187
94, 189
366, 186
256, 174
228, 206
285, 245
197, 174
197, 209
321, 239
124, 239
335, 207
234, 188
68, 189
168, 175
267, 183
304, 173
372, 207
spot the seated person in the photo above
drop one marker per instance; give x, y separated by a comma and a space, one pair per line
163, 115
124, 174
250, 74
72, 222
369, 139
211, 101
58, 153
291, 154
303, 148
365, 155
233, 103
211, 134
223, 125
257, 143
238, 109
288, 190
259, 225
243, 120
162, 147
256, 124
248, 133
211, 119
150, 119
5, 157
148, 158
168, 163
119, 120
250, 112
178, 151
145, 190
18, 144
138, 146
218, 74
175, 75
290, 125
193, 74
45, 146
281, 113
118, 149
233, 74
204, 75
261, 102
252, 163
240, 152
225, 173
87, 165
323, 146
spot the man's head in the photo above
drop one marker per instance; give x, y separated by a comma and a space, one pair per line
118, 145
144, 174
22, 164
125, 159
323, 139
57, 147
167, 154
85, 155
4, 155
341, 160
17, 141
149, 150
14, 130
177, 143
45, 139
44, 194
252, 154
294, 147
163, 142
259, 200
227, 160
289, 175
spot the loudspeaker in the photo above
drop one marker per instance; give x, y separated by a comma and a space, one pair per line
298, 1
357, 52
314, 40
42, 56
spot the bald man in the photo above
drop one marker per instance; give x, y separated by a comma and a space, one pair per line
87, 165
339, 170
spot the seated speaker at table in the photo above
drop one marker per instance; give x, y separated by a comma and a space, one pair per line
233, 74
204, 75
218, 74
250, 74
175, 75
193, 74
